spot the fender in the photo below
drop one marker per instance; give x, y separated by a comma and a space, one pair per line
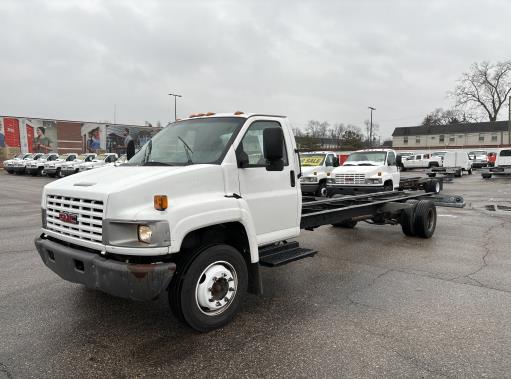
220, 211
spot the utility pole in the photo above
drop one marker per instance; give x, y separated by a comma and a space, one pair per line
371, 127
509, 124
175, 104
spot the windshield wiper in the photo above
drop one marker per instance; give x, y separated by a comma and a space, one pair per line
153, 163
188, 150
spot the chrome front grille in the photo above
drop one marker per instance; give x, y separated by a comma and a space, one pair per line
350, 179
88, 213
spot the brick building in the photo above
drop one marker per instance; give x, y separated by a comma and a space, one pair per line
454, 136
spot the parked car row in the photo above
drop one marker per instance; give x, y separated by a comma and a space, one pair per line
55, 165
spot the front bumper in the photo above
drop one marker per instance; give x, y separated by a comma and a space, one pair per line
332, 190
128, 280
50, 170
309, 187
19, 168
67, 171
31, 170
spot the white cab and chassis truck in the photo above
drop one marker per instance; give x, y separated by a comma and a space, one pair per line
316, 169
196, 211
374, 170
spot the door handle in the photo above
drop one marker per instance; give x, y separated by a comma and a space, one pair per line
292, 177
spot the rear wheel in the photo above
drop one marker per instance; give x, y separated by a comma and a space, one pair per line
459, 173
348, 224
431, 174
407, 218
470, 171
425, 219
210, 289
432, 186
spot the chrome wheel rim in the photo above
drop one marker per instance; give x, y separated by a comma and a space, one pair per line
216, 288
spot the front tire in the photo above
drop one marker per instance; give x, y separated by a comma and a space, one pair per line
210, 289
321, 191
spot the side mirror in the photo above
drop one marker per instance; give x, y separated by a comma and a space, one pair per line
273, 148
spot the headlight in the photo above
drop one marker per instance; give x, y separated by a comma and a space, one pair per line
330, 180
309, 179
144, 233
374, 181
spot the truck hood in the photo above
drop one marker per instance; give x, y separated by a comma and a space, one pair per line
306, 171
137, 185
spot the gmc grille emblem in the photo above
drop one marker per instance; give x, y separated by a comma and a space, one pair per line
70, 218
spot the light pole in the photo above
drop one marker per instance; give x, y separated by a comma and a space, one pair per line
175, 104
371, 127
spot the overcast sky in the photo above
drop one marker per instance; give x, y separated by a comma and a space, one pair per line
324, 60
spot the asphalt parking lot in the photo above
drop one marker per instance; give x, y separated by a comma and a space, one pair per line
372, 303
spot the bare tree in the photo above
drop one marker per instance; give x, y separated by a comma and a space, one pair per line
297, 132
485, 88
316, 129
445, 117
336, 131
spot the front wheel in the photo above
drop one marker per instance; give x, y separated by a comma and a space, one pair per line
209, 291
321, 191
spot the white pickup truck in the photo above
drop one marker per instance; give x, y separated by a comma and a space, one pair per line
70, 168
365, 171
52, 169
9, 163
502, 165
193, 215
316, 169
421, 161
36, 167
21, 165
99, 161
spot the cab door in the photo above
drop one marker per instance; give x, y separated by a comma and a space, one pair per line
271, 196
392, 168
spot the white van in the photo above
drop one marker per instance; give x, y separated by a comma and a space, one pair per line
453, 162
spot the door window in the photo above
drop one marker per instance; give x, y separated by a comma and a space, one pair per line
252, 143
391, 159
329, 160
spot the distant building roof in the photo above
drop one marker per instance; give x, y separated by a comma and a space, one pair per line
474, 127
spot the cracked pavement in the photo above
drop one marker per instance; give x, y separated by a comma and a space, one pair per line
372, 303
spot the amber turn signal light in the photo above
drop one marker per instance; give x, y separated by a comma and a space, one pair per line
160, 202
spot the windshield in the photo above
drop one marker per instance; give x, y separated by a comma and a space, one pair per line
439, 154
101, 157
478, 152
366, 158
311, 160
81, 157
194, 141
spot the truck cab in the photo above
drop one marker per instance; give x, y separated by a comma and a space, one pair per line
365, 171
202, 197
316, 168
